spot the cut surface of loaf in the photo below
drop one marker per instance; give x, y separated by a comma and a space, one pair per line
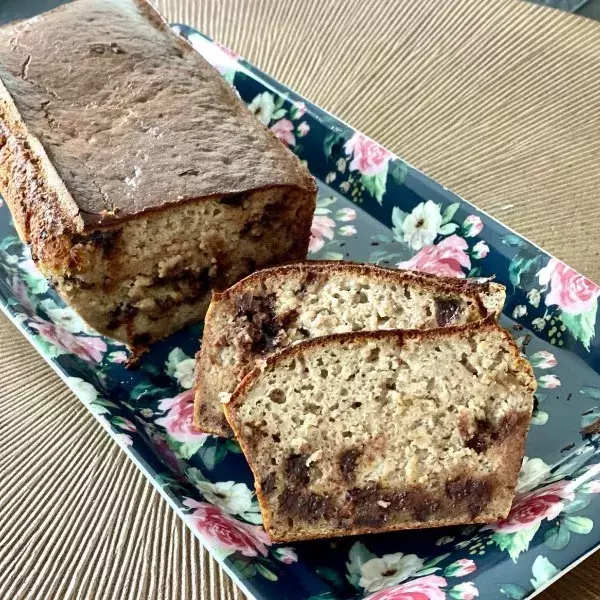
133, 171
277, 307
378, 431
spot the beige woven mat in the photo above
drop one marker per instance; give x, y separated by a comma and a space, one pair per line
498, 100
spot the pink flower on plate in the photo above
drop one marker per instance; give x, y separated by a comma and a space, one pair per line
472, 226
21, 293
298, 109
480, 250
123, 438
118, 356
571, 292
543, 360
532, 508
465, 591
423, 588
87, 348
284, 131
368, 156
549, 382
322, 228
347, 230
445, 258
179, 419
460, 568
286, 555
303, 129
346, 214
226, 533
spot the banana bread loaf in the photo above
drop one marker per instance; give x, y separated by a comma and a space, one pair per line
274, 308
377, 431
138, 178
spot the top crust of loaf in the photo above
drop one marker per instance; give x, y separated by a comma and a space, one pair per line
99, 79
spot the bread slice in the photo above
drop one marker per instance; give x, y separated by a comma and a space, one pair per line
276, 307
378, 431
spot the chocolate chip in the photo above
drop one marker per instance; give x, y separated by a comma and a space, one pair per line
107, 240
347, 461
475, 493
262, 325
481, 440
288, 318
268, 484
446, 311
486, 434
423, 505
233, 199
306, 505
308, 278
296, 469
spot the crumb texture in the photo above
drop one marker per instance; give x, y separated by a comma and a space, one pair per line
378, 431
279, 308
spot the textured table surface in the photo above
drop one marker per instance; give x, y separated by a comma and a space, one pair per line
499, 101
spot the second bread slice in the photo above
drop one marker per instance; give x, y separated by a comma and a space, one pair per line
378, 431
277, 307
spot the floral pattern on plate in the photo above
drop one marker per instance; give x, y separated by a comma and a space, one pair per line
371, 207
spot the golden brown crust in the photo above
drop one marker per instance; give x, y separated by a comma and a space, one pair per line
511, 448
57, 167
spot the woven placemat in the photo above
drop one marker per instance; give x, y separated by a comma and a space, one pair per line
499, 101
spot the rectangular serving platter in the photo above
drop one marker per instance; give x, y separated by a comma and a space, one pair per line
372, 207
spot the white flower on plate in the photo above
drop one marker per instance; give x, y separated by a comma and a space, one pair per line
388, 570
262, 107
181, 367
82, 389
234, 498
519, 311
66, 318
534, 297
534, 471
422, 225
543, 571
184, 373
